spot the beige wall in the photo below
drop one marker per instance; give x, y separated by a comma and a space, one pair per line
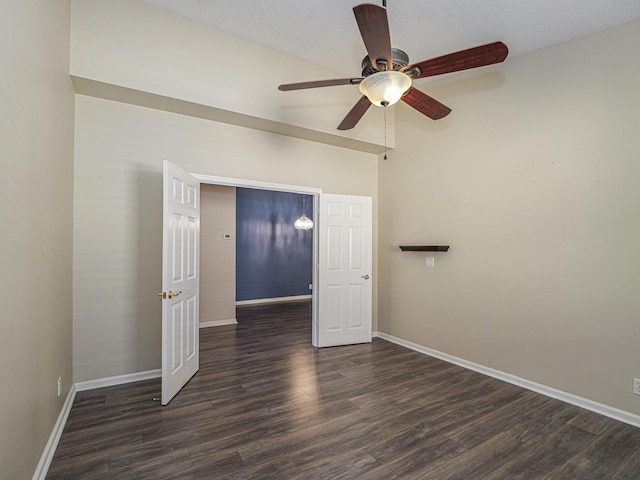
125, 43
118, 213
217, 254
533, 181
36, 135
120, 147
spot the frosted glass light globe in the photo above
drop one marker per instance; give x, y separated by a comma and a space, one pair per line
385, 88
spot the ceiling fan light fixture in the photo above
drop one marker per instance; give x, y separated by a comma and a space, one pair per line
385, 88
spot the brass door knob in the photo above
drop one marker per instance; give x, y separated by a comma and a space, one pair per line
366, 277
171, 294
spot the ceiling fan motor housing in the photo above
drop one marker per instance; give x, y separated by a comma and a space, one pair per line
399, 58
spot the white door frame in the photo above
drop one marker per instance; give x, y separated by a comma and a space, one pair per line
280, 187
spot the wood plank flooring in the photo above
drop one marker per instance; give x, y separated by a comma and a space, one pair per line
267, 405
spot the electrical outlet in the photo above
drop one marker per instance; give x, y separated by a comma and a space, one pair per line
636, 386
59, 386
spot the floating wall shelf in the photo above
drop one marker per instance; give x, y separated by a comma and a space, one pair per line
424, 248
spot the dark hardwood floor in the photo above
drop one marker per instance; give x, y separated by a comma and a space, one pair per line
267, 405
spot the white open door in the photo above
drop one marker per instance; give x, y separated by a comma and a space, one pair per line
180, 279
344, 270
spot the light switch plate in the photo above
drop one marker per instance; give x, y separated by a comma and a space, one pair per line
431, 261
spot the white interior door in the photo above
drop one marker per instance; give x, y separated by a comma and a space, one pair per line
344, 270
180, 279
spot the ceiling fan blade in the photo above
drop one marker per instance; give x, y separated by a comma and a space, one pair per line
355, 114
285, 87
474, 57
374, 29
425, 104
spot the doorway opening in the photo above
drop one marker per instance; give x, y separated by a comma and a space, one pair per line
341, 273
274, 259
311, 195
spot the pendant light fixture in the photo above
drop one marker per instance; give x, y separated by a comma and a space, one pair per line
304, 222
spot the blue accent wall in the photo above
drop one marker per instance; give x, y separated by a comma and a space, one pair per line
273, 259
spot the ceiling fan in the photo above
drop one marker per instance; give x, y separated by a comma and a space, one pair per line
387, 75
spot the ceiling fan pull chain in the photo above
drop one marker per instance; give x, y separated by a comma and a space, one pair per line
385, 133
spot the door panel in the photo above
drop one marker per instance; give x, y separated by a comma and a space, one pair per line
192, 327
176, 338
180, 279
356, 300
344, 270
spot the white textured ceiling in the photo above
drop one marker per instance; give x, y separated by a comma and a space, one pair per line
325, 31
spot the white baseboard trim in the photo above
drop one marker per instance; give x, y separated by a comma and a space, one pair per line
54, 438
611, 412
273, 300
117, 380
218, 323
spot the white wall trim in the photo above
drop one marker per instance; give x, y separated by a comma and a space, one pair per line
218, 323
118, 380
611, 412
274, 300
237, 182
54, 438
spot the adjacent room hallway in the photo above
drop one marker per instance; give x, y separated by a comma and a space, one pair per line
267, 405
